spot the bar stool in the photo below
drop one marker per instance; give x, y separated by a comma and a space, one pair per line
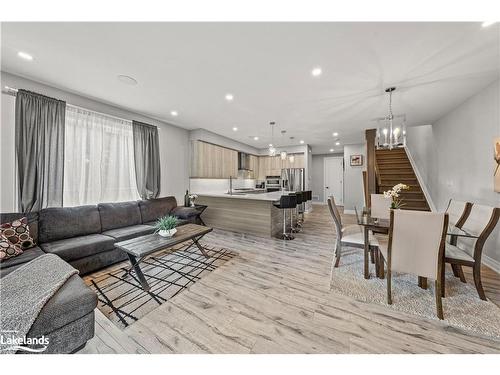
300, 203
286, 202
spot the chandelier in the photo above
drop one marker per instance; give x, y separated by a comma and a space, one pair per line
283, 153
392, 133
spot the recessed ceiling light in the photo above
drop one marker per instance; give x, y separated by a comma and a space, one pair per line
127, 80
235, 129
335, 134
337, 143
331, 150
316, 72
301, 142
487, 23
174, 113
25, 56
255, 138
229, 97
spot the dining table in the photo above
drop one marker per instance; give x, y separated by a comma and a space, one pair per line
381, 226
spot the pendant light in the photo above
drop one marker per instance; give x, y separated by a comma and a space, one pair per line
272, 149
283, 153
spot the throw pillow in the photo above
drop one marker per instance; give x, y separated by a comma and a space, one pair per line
8, 250
18, 233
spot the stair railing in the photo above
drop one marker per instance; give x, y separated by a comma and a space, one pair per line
420, 180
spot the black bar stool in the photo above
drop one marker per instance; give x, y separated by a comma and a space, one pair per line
286, 202
301, 197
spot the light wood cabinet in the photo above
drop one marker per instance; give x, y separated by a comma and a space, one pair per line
272, 165
212, 161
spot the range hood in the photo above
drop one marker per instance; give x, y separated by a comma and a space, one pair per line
243, 161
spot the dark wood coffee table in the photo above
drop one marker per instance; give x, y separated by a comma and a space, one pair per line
140, 247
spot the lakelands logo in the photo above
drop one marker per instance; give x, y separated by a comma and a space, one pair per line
10, 341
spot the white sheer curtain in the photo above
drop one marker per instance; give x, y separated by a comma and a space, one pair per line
99, 159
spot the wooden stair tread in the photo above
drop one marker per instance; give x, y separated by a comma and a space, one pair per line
394, 167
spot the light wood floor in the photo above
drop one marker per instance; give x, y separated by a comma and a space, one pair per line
275, 298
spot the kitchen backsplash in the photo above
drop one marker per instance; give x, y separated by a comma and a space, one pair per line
218, 185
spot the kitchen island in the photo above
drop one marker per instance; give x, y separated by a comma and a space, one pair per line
244, 213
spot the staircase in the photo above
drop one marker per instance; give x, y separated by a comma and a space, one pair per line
394, 167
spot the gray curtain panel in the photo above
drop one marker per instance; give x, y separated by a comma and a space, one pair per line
147, 159
40, 150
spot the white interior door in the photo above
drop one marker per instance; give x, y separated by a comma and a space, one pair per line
334, 179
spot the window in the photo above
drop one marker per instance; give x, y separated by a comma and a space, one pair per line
98, 159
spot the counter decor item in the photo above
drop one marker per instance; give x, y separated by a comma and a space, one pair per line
166, 226
192, 198
186, 199
393, 194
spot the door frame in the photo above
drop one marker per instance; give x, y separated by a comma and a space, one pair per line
324, 176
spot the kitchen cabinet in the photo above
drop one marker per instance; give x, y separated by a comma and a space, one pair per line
272, 165
212, 161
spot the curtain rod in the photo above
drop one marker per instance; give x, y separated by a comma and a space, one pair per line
13, 92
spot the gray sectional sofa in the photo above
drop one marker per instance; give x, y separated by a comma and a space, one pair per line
84, 237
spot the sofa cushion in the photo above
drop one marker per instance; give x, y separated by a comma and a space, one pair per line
185, 212
17, 232
125, 233
152, 209
179, 222
118, 215
9, 265
32, 221
78, 247
57, 223
71, 302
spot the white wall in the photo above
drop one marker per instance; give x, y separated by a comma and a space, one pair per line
318, 175
174, 144
353, 177
8, 169
456, 155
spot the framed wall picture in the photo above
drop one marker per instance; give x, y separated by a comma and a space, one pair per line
356, 160
496, 165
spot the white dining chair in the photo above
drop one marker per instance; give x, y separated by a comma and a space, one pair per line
415, 245
380, 206
346, 235
467, 251
457, 212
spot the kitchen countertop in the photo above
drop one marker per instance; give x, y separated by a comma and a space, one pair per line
273, 196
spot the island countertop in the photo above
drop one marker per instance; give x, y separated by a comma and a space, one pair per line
271, 197
245, 213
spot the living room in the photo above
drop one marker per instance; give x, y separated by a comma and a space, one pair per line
322, 188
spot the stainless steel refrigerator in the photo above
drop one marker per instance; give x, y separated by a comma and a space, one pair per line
293, 179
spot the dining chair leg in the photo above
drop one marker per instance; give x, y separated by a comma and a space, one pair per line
338, 251
460, 272
389, 291
366, 270
377, 263
476, 272
454, 269
439, 301
422, 282
442, 278
381, 264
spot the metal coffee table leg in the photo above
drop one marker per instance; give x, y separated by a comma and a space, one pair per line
138, 271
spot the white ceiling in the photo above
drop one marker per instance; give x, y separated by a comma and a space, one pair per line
189, 67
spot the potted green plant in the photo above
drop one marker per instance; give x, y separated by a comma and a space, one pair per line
165, 226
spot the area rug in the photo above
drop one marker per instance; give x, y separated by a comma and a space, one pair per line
462, 306
123, 301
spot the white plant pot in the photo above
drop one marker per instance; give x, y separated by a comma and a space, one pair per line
167, 233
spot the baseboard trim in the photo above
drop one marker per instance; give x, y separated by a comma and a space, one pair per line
492, 263
349, 212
